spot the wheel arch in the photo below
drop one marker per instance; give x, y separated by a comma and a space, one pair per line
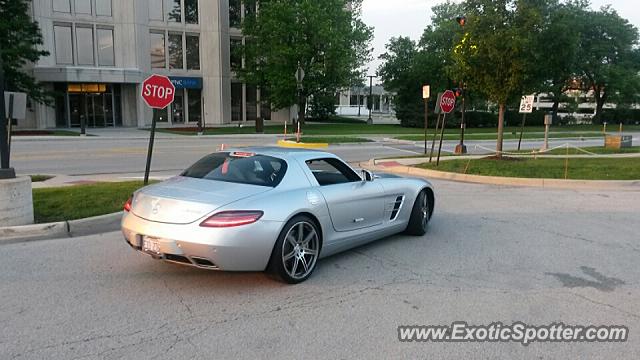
299, 213
431, 198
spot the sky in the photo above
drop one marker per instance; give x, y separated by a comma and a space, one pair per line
392, 18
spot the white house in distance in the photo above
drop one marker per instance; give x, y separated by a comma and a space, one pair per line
353, 101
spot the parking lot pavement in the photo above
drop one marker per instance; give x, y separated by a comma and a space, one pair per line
491, 254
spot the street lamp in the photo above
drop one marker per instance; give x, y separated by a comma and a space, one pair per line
461, 91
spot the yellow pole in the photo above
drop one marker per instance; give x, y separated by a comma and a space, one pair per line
566, 164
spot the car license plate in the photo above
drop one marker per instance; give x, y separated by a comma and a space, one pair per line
150, 245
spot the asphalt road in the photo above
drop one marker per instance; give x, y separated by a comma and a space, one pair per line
127, 155
492, 254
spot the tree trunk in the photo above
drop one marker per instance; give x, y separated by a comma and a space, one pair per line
500, 130
600, 100
554, 109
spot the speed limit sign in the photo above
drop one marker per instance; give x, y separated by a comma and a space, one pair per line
526, 104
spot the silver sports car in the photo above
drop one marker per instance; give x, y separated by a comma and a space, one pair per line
273, 209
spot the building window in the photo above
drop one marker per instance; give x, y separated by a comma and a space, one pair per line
161, 115
158, 59
84, 45
64, 44
249, 9
236, 102
105, 47
103, 7
175, 51
191, 11
62, 6
236, 54
195, 104
175, 11
235, 13
193, 52
83, 7
156, 10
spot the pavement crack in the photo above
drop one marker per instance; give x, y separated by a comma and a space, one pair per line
178, 295
634, 315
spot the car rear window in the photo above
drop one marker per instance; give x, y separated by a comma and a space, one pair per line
239, 167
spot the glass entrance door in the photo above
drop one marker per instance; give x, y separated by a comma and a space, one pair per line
95, 108
77, 109
178, 108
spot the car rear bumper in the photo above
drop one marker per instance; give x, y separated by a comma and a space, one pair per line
241, 248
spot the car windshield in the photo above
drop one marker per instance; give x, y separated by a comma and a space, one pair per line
239, 167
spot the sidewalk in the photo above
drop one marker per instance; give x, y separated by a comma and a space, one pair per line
67, 180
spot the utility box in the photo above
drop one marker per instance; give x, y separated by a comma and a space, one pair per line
618, 141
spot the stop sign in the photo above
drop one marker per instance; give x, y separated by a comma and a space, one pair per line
447, 101
158, 91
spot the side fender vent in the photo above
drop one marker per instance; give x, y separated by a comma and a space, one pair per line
396, 207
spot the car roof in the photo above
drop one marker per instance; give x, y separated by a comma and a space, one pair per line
284, 153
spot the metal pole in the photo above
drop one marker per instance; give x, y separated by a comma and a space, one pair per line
426, 122
435, 134
9, 124
444, 121
370, 100
524, 119
461, 148
150, 150
4, 145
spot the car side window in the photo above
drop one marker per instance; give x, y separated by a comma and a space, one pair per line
331, 171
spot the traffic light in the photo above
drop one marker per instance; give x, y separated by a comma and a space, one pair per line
458, 91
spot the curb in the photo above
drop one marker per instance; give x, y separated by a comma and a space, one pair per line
61, 229
626, 185
295, 145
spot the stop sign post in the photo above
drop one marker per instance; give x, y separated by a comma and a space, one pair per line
158, 92
445, 105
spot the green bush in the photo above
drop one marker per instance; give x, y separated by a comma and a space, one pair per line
624, 116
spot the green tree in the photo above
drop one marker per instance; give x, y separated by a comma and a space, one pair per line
497, 50
609, 61
19, 45
326, 38
409, 65
561, 35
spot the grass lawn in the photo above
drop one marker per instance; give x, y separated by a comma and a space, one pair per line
583, 169
354, 127
330, 139
473, 134
81, 201
40, 178
592, 149
307, 129
45, 133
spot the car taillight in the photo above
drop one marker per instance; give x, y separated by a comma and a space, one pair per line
232, 218
127, 205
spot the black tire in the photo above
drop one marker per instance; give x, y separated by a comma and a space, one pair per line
420, 214
295, 255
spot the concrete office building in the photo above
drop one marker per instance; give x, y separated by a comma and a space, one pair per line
101, 50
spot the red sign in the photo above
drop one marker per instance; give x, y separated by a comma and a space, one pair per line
158, 91
447, 101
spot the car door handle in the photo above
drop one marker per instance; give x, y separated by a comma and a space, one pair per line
358, 220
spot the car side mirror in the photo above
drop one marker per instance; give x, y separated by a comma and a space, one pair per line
367, 175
